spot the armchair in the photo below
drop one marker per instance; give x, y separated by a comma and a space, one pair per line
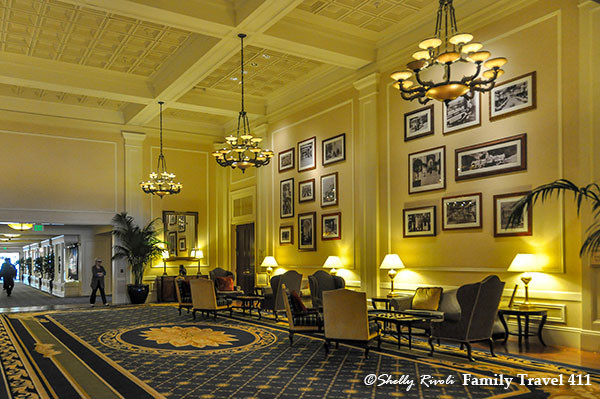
205, 299
322, 281
299, 320
431, 302
273, 301
346, 319
218, 273
478, 304
184, 294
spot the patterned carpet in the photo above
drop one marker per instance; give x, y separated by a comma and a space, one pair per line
151, 352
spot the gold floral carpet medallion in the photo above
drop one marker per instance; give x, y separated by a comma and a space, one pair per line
188, 339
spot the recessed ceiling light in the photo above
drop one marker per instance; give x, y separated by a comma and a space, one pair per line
233, 78
254, 64
266, 56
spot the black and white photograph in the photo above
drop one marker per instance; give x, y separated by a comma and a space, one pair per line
329, 191
503, 207
286, 198
182, 246
331, 226
513, 96
181, 223
307, 156
491, 158
461, 212
307, 231
286, 160
172, 242
286, 235
306, 190
334, 149
419, 222
427, 170
462, 113
418, 123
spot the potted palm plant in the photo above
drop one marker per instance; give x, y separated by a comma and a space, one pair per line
139, 246
589, 193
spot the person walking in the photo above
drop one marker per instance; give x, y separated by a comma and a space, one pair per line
98, 274
8, 273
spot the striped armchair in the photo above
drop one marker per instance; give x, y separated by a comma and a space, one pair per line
299, 321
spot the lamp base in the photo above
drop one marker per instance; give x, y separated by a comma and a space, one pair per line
526, 306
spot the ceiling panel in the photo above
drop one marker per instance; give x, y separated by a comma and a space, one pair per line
266, 71
63, 32
191, 116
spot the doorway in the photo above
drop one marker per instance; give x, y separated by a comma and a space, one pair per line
244, 250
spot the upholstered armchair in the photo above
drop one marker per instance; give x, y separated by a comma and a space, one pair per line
204, 298
478, 304
322, 281
273, 301
300, 319
184, 294
346, 319
432, 302
222, 286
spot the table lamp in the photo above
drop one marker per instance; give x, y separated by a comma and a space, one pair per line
165, 255
334, 263
391, 262
269, 262
525, 263
198, 254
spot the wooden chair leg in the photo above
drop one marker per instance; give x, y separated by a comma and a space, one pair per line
326, 345
469, 354
379, 342
231, 312
337, 345
430, 341
194, 314
179, 310
367, 350
491, 344
291, 338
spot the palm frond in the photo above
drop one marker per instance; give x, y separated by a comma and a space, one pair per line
592, 241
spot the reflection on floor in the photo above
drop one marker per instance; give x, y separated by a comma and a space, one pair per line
26, 299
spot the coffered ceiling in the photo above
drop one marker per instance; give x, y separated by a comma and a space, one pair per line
112, 60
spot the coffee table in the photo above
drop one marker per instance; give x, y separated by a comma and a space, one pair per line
248, 302
400, 320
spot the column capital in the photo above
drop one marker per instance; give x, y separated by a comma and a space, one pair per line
367, 85
133, 138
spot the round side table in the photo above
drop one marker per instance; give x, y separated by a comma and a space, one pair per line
523, 331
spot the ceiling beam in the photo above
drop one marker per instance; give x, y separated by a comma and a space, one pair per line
220, 102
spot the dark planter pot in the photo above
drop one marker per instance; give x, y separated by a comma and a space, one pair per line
138, 293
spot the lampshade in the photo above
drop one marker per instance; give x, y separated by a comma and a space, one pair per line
197, 253
20, 226
165, 254
269, 261
392, 261
333, 262
525, 263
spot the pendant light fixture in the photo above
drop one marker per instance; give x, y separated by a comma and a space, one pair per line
446, 49
161, 182
242, 150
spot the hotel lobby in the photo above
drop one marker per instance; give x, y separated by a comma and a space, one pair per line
300, 198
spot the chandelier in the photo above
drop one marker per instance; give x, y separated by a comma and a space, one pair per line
161, 182
445, 50
20, 226
242, 150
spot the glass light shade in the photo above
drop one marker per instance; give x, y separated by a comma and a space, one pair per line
479, 56
197, 253
165, 254
333, 262
257, 139
471, 47
430, 42
12, 235
448, 57
461, 38
447, 92
246, 136
416, 65
421, 55
269, 261
525, 263
490, 73
391, 261
497, 62
401, 75
20, 226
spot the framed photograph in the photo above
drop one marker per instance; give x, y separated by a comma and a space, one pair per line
418, 123
286, 198
172, 219
462, 113
307, 231
491, 158
181, 222
306, 190
329, 193
331, 226
182, 246
461, 212
513, 96
427, 170
286, 235
334, 149
503, 207
307, 156
286, 160
172, 242
419, 222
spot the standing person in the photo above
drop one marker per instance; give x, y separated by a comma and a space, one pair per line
98, 274
8, 273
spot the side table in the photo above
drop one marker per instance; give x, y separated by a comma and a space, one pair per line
381, 299
523, 331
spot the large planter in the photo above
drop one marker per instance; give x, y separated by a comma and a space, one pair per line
138, 293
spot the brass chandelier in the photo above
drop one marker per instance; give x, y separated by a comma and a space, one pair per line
445, 50
161, 182
242, 150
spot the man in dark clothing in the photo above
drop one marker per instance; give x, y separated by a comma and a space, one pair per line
98, 274
8, 272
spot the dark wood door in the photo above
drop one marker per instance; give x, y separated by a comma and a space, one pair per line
244, 234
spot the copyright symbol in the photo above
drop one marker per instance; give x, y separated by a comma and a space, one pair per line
370, 379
